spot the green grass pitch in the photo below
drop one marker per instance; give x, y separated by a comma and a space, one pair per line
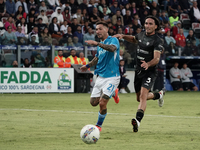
54, 122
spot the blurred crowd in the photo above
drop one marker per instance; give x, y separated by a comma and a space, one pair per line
71, 22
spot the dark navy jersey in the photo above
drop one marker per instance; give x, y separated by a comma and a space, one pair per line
146, 47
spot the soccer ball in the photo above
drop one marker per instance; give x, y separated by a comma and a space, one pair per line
90, 134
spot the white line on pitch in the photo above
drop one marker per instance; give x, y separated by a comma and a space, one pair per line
82, 112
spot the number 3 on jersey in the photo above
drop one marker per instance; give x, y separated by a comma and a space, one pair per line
148, 80
111, 88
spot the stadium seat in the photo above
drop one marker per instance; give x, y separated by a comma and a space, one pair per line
167, 81
4, 19
49, 12
185, 21
168, 87
194, 81
196, 28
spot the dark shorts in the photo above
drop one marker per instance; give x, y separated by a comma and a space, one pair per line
176, 85
144, 79
188, 85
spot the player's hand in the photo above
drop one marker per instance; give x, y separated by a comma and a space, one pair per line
179, 76
91, 42
120, 36
83, 68
144, 65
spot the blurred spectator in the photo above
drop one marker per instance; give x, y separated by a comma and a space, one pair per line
69, 33
72, 59
133, 9
195, 13
74, 6
69, 42
84, 17
66, 15
165, 3
2, 30
10, 22
31, 24
59, 16
15, 64
10, 7
187, 74
31, 14
44, 17
59, 60
94, 18
111, 32
79, 34
195, 49
154, 6
173, 19
41, 25
84, 61
104, 16
174, 6
74, 25
136, 16
161, 33
155, 13
66, 5
3, 9
21, 41
175, 77
102, 5
169, 38
33, 5
163, 18
135, 25
54, 29
88, 36
176, 28
53, 4
127, 17
23, 4
19, 33
83, 5
119, 31
9, 37
159, 82
45, 34
114, 7
35, 33
76, 43
91, 6
78, 15
184, 6
46, 41
64, 27
127, 29
42, 6
166, 27
127, 7
26, 63
180, 39
143, 11
19, 14
38, 60
171, 50
187, 50
190, 36
116, 17
123, 80
86, 26
33, 39
144, 15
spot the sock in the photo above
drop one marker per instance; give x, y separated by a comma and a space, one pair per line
156, 96
101, 119
139, 114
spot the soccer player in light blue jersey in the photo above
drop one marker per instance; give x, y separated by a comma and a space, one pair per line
107, 68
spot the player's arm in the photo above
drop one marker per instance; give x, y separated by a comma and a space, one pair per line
110, 48
153, 62
93, 62
128, 38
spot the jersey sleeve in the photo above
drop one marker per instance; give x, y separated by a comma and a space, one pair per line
158, 45
115, 42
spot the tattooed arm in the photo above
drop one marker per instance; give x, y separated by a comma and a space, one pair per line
93, 62
110, 48
128, 38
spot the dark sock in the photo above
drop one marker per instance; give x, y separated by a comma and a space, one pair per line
139, 114
156, 96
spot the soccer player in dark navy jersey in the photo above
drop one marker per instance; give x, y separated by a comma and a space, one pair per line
149, 49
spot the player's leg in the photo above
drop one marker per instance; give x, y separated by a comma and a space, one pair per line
193, 87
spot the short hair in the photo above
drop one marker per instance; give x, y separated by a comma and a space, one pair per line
72, 50
155, 20
103, 23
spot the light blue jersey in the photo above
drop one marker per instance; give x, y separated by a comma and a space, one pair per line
108, 62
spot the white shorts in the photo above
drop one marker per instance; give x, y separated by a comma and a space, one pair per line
106, 86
